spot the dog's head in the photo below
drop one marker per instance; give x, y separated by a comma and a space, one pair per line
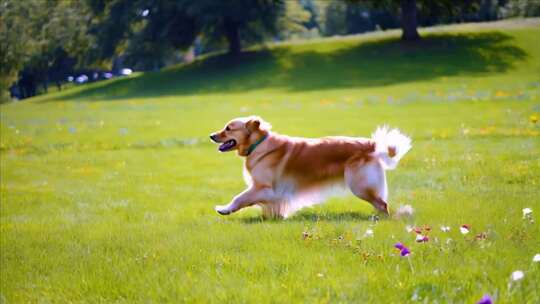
240, 133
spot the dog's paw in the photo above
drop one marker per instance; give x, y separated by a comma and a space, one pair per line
223, 210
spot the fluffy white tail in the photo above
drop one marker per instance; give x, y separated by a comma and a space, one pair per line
390, 146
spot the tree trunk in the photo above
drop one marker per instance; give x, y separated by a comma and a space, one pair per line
409, 23
232, 31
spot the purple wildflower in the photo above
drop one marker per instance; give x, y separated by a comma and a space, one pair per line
486, 299
403, 251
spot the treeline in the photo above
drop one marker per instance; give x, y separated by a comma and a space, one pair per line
46, 42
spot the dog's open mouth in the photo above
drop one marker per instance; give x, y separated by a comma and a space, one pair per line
228, 145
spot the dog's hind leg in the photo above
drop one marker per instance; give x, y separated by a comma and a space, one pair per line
367, 180
274, 209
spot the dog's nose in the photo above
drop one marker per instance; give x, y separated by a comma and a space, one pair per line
213, 137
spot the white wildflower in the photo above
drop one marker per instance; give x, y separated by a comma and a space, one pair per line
369, 233
517, 275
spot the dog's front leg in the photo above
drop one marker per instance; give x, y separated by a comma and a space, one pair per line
248, 197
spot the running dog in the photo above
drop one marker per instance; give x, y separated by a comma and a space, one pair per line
284, 174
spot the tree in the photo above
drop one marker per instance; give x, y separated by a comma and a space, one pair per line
520, 8
409, 23
335, 22
295, 21
427, 12
237, 20
120, 26
17, 43
149, 32
34, 33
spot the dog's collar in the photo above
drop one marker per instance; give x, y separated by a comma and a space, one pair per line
258, 142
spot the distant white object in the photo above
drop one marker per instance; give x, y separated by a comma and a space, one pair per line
536, 258
404, 211
527, 212
107, 75
70, 78
126, 71
517, 275
145, 13
81, 79
369, 233
95, 75
445, 228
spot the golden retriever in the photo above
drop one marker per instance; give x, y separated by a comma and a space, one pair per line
284, 174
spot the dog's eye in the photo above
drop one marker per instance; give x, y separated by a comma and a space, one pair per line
227, 129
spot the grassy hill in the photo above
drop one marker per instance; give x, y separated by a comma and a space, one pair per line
357, 62
107, 190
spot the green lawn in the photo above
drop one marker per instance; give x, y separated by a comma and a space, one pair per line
107, 190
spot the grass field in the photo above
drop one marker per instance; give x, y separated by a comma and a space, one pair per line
107, 190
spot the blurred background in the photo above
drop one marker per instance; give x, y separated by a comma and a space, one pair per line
108, 179
50, 44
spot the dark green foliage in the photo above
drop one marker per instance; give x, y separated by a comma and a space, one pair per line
37, 36
237, 20
156, 28
520, 8
413, 13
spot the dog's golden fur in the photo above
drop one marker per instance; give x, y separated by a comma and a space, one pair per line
286, 173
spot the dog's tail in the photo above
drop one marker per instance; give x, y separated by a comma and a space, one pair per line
390, 146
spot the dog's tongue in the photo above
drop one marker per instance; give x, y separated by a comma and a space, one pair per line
226, 145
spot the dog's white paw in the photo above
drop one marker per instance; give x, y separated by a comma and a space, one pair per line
223, 210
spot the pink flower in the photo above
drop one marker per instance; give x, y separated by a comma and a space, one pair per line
464, 229
421, 238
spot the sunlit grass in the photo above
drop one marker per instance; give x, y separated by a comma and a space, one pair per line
107, 195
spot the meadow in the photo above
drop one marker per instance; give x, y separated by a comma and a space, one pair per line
108, 190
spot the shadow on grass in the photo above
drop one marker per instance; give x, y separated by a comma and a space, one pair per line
312, 216
305, 68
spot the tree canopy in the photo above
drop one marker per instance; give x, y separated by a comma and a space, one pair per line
38, 35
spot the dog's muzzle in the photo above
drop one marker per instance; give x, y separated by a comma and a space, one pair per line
225, 146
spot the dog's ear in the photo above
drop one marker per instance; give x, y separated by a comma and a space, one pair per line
253, 124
